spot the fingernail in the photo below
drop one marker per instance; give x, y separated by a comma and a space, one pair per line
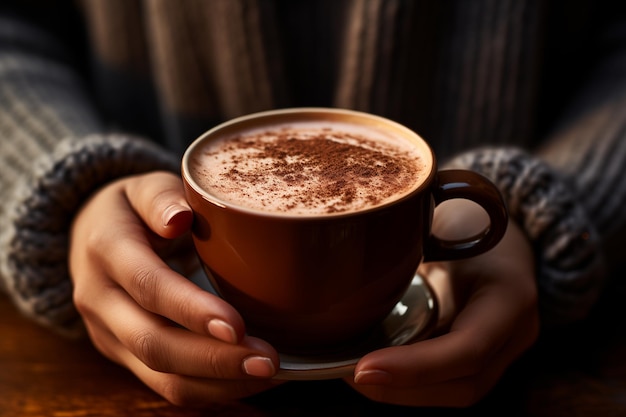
259, 366
223, 331
170, 213
372, 377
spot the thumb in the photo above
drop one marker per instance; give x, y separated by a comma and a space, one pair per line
159, 199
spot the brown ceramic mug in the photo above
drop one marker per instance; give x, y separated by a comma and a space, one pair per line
312, 222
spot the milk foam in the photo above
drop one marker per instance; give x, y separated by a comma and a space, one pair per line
309, 168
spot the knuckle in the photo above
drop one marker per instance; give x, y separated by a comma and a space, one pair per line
173, 390
183, 311
104, 345
79, 298
218, 367
143, 286
98, 242
145, 344
180, 392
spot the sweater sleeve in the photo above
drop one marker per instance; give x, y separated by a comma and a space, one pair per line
570, 264
570, 194
54, 153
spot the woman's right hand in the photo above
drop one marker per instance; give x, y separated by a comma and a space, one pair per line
185, 343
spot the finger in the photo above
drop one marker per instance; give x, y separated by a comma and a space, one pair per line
460, 392
184, 390
128, 258
480, 332
160, 290
497, 308
178, 389
159, 199
167, 348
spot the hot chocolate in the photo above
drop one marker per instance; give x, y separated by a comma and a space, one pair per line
312, 222
310, 168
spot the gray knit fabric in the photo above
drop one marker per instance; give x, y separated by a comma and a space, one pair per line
34, 246
479, 79
54, 154
566, 244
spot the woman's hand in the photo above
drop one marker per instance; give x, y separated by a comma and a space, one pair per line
489, 318
185, 343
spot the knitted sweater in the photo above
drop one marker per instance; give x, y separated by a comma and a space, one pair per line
530, 93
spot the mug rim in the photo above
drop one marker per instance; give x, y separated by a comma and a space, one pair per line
299, 111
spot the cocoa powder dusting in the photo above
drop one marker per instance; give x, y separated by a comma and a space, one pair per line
334, 169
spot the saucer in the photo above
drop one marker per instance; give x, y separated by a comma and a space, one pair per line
412, 319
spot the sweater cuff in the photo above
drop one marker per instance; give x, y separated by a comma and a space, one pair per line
35, 243
570, 267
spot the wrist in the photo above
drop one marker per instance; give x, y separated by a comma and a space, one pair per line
34, 243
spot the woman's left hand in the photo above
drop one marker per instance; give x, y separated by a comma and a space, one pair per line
490, 317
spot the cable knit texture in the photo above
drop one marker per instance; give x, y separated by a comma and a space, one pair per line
565, 242
34, 246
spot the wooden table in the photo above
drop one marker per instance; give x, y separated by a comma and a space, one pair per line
576, 373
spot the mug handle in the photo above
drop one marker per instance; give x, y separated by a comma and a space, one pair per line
456, 183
